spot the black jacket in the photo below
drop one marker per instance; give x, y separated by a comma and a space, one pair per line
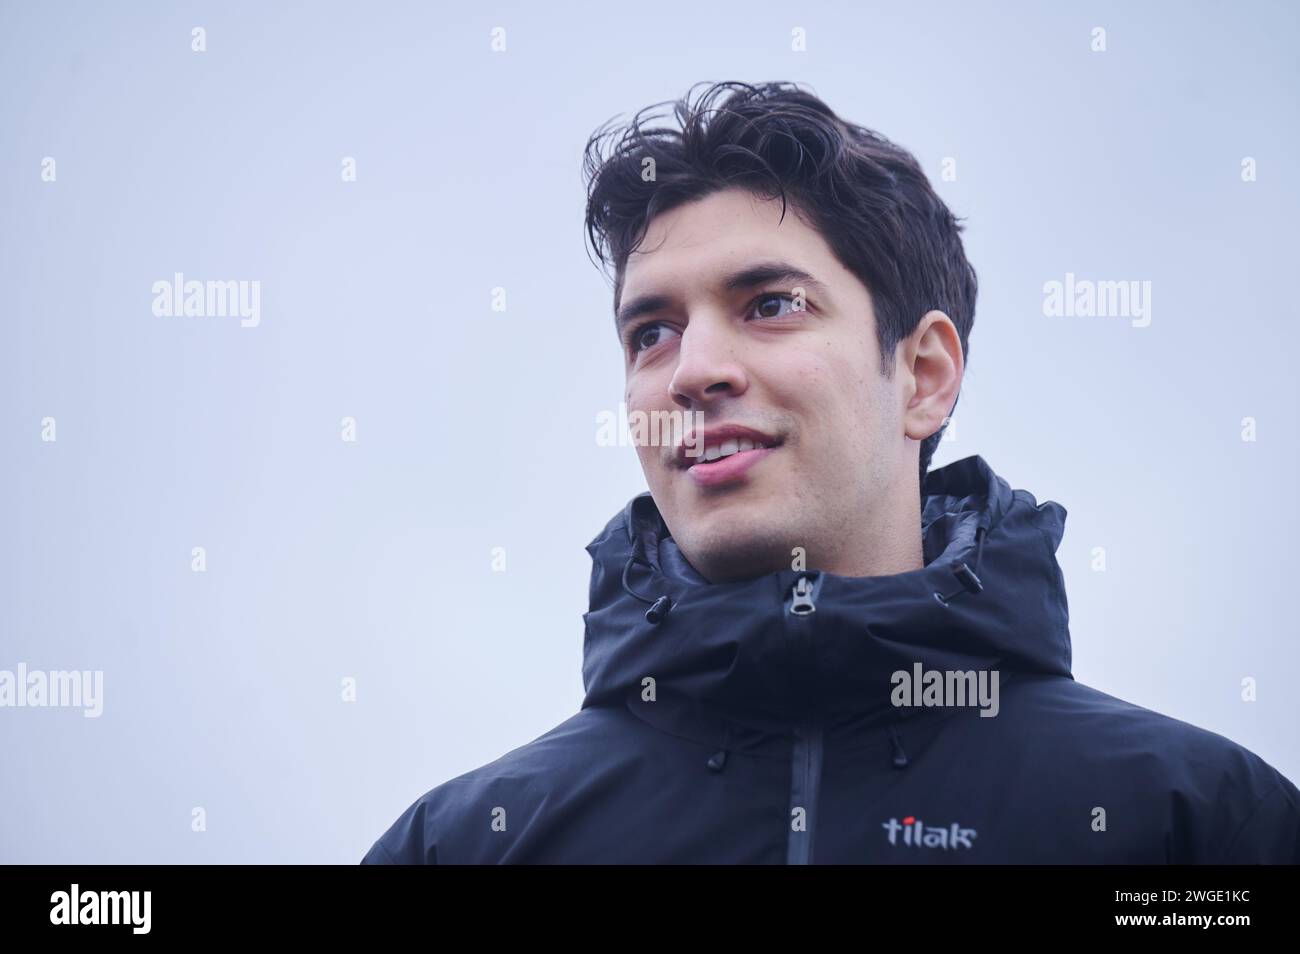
759, 722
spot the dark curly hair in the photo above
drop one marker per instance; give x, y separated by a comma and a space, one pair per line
867, 197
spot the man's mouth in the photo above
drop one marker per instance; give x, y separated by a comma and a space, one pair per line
728, 452
737, 445
721, 441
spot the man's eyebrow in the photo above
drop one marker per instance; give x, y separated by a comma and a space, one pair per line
752, 276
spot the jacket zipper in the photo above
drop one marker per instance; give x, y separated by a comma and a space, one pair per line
806, 755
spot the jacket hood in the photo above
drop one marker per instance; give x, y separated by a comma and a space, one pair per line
990, 596
740, 755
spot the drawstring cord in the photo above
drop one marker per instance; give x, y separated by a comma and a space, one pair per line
970, 583
658, 607
719, 758
900, 757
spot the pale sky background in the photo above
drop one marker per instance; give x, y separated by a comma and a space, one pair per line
475, 429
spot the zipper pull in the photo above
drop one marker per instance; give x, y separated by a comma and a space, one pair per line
802, 604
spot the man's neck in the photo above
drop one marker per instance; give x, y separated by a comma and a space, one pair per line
890, 545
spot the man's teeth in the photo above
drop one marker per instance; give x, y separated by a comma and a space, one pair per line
728, 447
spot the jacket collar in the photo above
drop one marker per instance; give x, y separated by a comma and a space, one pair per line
990, 596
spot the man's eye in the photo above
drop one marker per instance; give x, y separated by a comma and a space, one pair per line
764, 305
649, 335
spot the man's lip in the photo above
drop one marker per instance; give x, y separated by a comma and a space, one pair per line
727, 470
717, 435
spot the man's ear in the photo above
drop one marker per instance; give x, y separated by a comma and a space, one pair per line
933, 366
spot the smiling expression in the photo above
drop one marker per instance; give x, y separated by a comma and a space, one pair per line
755, 323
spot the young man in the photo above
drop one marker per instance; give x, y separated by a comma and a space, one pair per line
801, 647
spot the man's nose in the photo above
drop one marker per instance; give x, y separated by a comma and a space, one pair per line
708, 366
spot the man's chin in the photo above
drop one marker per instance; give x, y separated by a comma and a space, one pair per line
729, 552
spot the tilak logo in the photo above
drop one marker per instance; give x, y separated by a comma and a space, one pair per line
915, 833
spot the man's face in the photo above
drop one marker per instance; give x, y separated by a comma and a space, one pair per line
829, 448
